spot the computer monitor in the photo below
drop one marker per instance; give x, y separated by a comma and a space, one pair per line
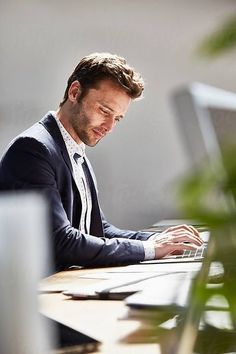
206, 117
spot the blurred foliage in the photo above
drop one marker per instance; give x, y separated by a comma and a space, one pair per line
220, 41
208, 195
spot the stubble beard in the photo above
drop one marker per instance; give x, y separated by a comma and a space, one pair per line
78, 119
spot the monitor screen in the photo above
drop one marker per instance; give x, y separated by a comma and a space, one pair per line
206, 117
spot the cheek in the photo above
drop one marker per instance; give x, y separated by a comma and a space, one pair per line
93, 118
90, 115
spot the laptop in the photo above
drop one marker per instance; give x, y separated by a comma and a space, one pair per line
188, 255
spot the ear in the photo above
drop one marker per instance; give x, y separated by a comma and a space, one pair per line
74, 91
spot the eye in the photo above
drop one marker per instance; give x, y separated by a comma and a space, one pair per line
118, 119
104, 111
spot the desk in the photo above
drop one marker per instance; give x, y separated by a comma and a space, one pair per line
98, 318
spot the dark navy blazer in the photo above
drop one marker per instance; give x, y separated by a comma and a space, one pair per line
38, 160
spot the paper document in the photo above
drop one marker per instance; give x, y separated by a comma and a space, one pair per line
117, 288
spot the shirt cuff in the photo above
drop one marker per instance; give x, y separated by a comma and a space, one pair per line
149, 250
154, 236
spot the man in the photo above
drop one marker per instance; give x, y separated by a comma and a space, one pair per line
50, 158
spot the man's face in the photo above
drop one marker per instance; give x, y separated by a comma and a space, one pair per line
96, 114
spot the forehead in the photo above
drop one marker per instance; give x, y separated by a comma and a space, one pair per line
110, 94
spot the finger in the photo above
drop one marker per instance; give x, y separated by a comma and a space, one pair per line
163, 249
185, 236
185, 246
177, 252
179, 236
187, 232
195, 231
189, 228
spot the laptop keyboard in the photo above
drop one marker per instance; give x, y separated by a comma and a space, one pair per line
198, 253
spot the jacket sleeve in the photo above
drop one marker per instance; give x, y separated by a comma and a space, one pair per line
112, 231
29, 165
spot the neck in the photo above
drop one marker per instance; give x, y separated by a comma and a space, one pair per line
64, 117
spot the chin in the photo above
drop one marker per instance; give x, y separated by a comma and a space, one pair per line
91, 140
91, 143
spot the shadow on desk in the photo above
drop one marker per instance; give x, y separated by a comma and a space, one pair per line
166, 330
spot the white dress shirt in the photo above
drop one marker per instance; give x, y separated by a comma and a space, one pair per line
79, 177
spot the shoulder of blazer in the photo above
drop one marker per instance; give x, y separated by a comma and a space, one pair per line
50, 124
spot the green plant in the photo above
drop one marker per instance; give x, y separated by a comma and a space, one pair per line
220, 41
209, 196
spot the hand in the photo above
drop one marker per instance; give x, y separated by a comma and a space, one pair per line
176, 238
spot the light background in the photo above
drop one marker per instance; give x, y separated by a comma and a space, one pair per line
136, 166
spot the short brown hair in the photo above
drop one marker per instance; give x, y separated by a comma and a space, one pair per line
99, 66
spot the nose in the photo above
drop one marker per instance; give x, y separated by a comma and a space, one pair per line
109, 124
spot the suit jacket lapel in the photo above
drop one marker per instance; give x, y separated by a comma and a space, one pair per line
49, 122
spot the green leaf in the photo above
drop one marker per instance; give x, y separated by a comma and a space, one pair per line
222, 40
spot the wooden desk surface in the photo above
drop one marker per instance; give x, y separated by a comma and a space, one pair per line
100, 319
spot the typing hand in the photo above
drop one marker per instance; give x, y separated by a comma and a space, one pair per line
176, 239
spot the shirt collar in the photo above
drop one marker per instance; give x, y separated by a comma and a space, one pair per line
71, 145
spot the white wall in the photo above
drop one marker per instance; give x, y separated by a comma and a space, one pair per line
41, 42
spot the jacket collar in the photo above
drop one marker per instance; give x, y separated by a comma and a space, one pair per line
50, 124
